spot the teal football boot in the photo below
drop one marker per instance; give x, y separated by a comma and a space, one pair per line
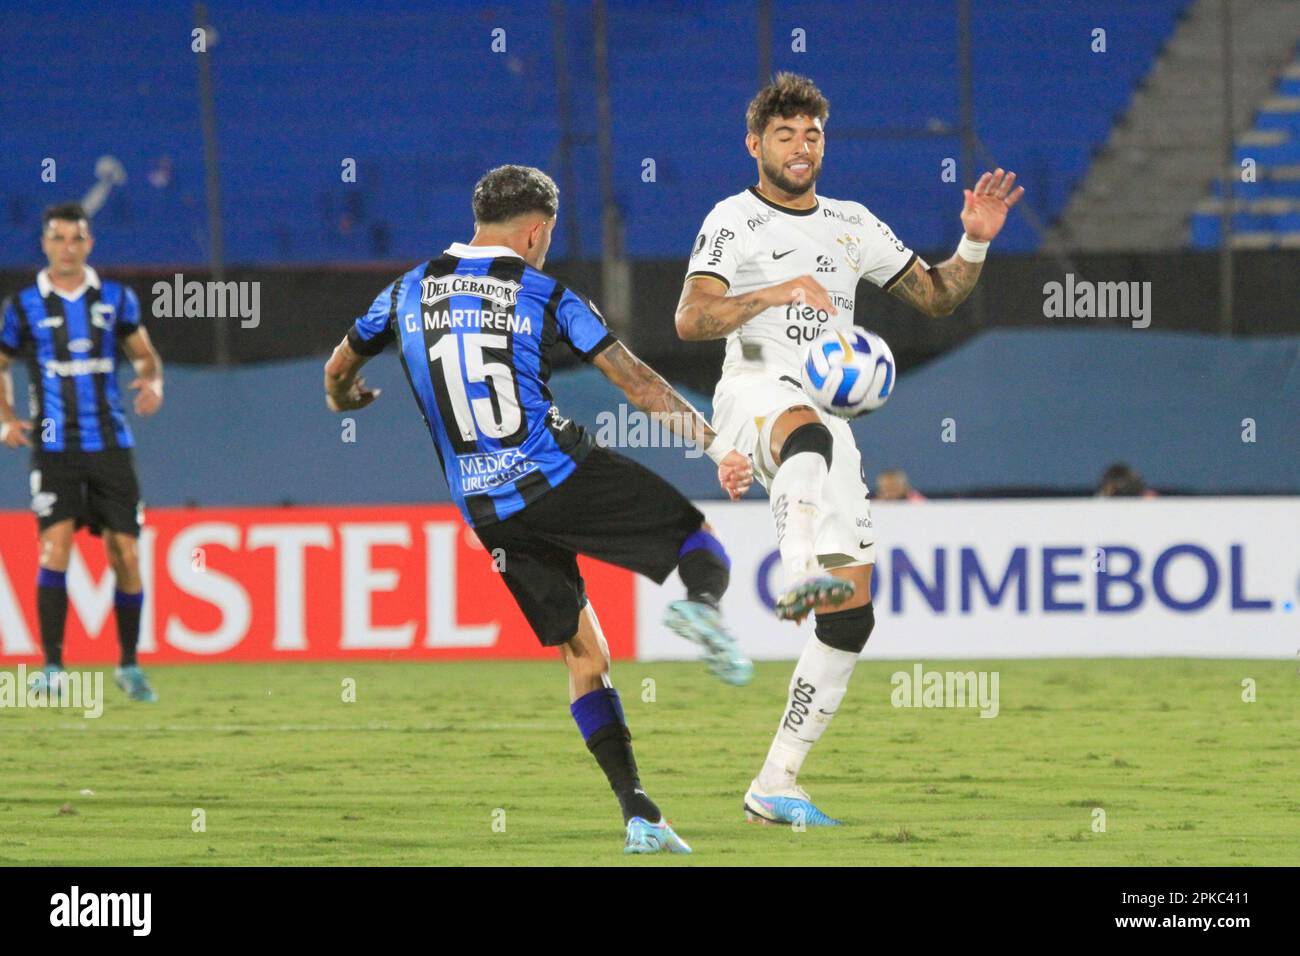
646, 837
702, 624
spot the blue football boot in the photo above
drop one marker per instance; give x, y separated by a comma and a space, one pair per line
132, 680
785, 807
646, 837
701, 624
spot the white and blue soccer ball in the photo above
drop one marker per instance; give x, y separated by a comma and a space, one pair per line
848, 372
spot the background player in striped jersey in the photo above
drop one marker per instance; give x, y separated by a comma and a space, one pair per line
771, 268
69, 324
474, 328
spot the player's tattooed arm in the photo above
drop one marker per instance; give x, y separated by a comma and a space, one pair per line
648, 391
345, 389
938, 290
148, 381
705, 311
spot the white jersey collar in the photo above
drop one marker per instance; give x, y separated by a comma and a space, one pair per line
753, 190
45, 286
463, 250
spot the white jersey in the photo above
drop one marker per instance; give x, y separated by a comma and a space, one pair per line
751, 243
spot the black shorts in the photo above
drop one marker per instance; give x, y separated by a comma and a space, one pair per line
97, 489
611, 509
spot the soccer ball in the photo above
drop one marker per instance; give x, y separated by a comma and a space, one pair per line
848, 372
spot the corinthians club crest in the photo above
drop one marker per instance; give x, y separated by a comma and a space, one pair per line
852, 251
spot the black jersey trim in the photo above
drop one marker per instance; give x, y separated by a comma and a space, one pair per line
11, 352
710, 275
368, 347
373, 346
900, 273
599, 347
785, 209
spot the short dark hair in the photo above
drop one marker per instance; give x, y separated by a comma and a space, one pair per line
1122, 480
789, 94
509, 191
64, 212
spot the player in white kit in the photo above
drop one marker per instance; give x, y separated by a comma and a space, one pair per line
772, 267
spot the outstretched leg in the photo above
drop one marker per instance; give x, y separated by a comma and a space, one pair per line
705, 569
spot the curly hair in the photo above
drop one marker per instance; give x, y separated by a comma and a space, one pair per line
789, 94
509, 191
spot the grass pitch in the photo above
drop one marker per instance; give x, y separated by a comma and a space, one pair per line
480, 763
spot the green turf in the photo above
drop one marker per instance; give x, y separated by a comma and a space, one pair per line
418, 768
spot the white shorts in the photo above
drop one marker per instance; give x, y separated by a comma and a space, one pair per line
746, 405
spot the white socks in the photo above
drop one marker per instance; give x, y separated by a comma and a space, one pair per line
796, 497
820, 679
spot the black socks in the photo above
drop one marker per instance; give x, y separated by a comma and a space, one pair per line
127, 607
52, 611
612, 748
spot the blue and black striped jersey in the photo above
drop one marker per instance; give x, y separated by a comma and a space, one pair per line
475, 328
71, 347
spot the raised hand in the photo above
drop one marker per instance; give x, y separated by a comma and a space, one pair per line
987, 205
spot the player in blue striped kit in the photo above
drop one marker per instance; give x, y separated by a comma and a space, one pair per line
69, 324
474, 328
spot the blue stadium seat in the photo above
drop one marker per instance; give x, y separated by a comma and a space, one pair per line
1274, 164
424, 106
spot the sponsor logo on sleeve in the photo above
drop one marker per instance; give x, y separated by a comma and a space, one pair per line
718, 245
890, 237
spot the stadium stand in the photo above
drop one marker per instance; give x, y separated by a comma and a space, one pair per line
325, 82
1266, 208
1163, 153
